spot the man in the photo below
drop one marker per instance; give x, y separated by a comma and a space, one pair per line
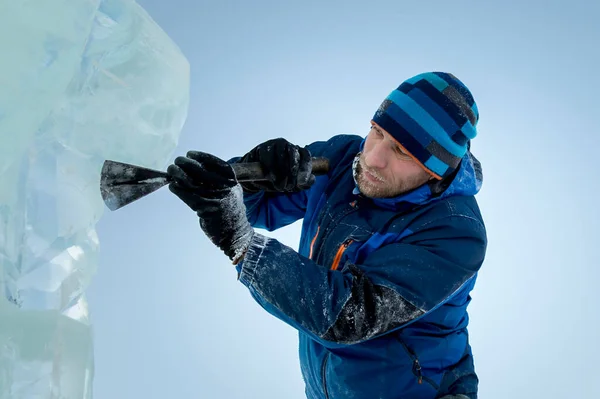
392, 240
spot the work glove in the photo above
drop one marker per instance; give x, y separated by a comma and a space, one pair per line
288, 167
207, 184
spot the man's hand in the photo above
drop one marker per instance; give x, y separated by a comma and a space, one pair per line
207, 184
288, 167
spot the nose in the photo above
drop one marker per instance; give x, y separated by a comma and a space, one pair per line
378, 156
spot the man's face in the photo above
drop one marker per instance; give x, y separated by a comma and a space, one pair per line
385, 169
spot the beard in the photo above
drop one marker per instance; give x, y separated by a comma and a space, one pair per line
382, 188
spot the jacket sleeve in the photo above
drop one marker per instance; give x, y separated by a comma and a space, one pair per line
395, 285
271, 211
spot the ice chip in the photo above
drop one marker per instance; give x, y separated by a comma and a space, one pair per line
81, 81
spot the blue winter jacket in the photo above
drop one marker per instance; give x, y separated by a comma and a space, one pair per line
378, 288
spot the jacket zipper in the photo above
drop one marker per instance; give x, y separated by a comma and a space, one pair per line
416, 366
353, 208
417, 370
312, 243
340, 252
323, 371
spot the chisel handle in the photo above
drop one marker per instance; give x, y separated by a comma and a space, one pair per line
252, 171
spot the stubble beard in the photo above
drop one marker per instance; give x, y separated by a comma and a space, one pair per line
383, 189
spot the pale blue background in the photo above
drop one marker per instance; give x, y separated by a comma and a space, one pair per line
171, 321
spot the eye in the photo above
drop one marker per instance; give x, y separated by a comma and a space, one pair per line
401, 153
377, 132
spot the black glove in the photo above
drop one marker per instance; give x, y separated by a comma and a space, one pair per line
288, 167
208, 186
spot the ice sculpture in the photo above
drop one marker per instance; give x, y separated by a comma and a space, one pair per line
81, 81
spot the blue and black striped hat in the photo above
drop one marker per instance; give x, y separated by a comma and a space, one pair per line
432, 116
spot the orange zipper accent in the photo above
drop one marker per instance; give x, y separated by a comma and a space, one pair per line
312, 243
338, 255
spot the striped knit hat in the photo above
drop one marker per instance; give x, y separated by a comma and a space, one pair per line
432, 116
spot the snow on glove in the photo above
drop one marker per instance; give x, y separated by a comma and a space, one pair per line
288, 167
207, 184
